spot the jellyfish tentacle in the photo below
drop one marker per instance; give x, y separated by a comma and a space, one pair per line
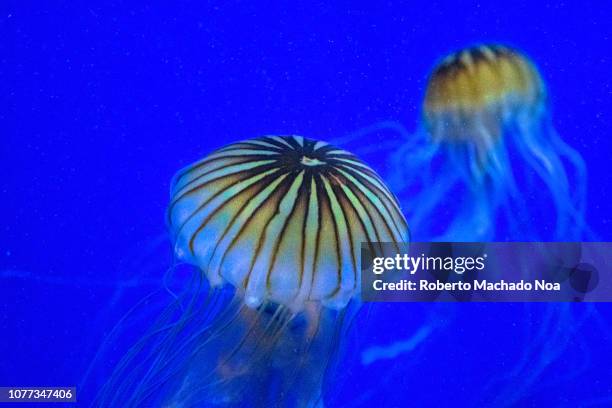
163, 372
471, 223
580, 182
358, 135
210, 334
170, 337
205, 336
156, 350
161, 325
430, 198
371, 141
541, 158
408, 159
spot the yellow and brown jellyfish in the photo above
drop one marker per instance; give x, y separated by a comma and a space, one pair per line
274, 226
486, 161
474, 93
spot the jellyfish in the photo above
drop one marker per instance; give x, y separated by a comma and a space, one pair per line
272, 229
486, 161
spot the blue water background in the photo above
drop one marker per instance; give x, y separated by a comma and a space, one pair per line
101, 104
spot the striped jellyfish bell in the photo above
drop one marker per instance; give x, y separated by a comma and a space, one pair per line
282, 219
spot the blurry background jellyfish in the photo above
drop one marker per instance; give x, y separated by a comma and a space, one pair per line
487, 149
486, 161
487, 164
274, 226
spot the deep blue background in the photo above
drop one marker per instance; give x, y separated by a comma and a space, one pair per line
100, 105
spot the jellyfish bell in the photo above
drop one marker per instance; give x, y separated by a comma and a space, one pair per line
274, 226
281, 218
473, 93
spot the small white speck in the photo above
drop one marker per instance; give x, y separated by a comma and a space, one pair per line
252, 301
